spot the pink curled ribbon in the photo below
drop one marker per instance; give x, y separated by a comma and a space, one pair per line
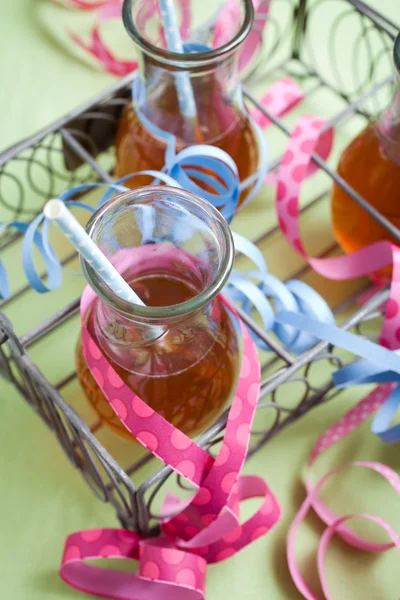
83, 5
223, 29
337, 525
98, 49
207, 530
310, 136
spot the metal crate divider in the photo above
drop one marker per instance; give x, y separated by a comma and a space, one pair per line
77, 149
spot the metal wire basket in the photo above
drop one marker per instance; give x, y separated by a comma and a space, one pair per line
79, 148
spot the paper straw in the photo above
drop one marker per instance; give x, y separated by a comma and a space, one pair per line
58, 213
186, 99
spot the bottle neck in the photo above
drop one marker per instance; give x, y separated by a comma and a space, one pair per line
217, 95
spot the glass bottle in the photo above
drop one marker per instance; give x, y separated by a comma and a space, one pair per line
221, 118
179, 353
371, 165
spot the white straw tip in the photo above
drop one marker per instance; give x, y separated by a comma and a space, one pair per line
53, 209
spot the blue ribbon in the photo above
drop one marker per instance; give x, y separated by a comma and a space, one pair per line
381, 366
35, 238
254, 290
381, 423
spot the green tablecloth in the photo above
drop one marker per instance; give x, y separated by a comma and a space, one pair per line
43, 499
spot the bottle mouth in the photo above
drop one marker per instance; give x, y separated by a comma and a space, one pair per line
192, 59
212, 238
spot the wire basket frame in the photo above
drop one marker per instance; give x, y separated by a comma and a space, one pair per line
79, 148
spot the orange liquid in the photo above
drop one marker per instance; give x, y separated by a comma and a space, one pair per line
376, 179
218, 124
191, 398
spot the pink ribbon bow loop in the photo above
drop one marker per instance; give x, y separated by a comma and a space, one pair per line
167, 569
164, 571
225, 536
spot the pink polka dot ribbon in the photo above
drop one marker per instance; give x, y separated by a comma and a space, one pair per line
309, 136
166, 570
281, 98
207, 529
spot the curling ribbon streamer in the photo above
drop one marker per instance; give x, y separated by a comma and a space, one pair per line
337, 526
366, 372
96, 46
82, 5
254, 288
207, 529
382, 364
226, 23
113, 10
254, 40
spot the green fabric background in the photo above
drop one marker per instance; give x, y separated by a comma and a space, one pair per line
42, 498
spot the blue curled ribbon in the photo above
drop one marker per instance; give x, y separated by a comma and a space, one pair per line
255, 289
187, 167
383, 418
46, 252
34, 237
380, 366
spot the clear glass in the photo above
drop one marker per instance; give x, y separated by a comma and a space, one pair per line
371, 165
179, 353
213, 73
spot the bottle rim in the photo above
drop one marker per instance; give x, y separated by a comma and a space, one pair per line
189, 59
201, 207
